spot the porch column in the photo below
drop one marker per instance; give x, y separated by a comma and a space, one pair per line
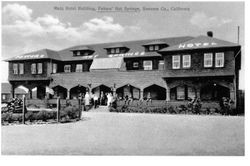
12, 91
167, 93
141, 94
198, 92
30, 93
232, 94
68, 94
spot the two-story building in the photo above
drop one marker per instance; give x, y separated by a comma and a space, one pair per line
175, 68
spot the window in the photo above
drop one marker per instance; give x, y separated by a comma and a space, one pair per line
135, 64
151, 48
54, 68
156, 47
4, 97
147, 65
186, 60
208, 60
117, 50
67, 68
33, 68
79, 68
176, 60
15, 68
39, 68
78, 53
180, 92
161, 65
219, 59
112, 50
21, 68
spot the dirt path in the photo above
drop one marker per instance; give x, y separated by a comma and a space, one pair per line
129, 134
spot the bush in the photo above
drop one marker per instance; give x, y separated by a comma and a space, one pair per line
68, 113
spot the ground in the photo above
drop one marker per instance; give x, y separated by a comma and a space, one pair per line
104, 133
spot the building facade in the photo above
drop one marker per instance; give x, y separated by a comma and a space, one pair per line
168, 69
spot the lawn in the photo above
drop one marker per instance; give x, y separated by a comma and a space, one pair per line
129, 134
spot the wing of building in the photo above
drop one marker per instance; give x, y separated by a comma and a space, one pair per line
171, 69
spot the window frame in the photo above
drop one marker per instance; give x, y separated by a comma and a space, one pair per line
33, 68
54, 68
69, 67
39, 68
117, 50
151, 48
156, 47
174, 61
222, 59
161, 62
137, 66
206, 59
183, 61
21, 69
77, 70
148, 67
15, 68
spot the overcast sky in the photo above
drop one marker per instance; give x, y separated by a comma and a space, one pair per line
29, 26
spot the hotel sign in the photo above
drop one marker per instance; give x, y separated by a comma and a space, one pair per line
195, 45
129, 54
30, 56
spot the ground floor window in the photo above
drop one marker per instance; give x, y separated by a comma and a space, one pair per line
79, 68
147, 65
67, 68
182, 92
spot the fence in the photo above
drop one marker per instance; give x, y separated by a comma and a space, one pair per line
34, 105
163, 103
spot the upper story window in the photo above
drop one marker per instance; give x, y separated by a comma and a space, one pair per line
208, 59
153, 48
15, 68
78, 53
39, 68
161, 65
67, 68
79, 68
147, 65
176, 61
219, 59
186, 60
36, 68
54, 68
117, 50
33, 68
21, 68
112, 50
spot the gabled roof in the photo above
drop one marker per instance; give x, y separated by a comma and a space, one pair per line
107, 63
40, 54
136, 49
82, 48
117, 45
6, 88
156, 42
200, 42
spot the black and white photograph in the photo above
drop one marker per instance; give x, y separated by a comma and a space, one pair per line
122, 78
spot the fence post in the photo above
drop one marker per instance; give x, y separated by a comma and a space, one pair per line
24, 106
80, 108
58, 109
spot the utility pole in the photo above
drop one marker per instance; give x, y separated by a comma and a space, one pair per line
238, 35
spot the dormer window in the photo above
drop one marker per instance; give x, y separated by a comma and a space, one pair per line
117, 49
155, 46
82, 51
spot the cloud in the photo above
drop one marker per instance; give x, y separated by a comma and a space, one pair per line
22, 32
201, 20
15, 11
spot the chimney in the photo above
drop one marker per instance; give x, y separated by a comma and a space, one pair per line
210, 34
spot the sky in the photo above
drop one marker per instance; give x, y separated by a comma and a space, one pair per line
30, 26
